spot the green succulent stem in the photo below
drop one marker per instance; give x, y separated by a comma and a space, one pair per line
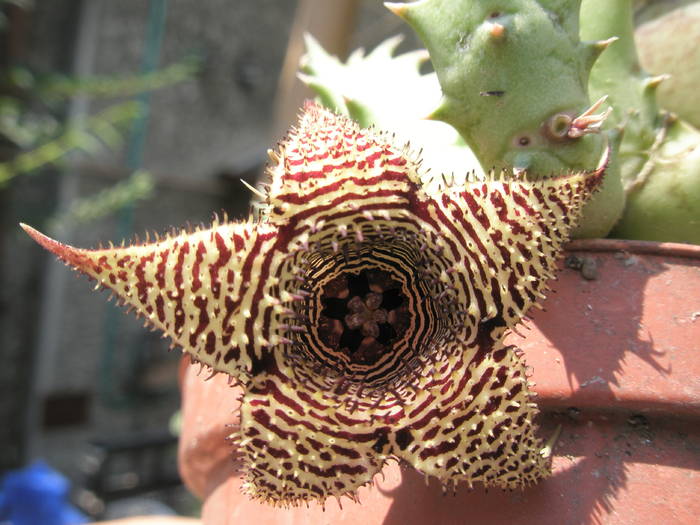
659, 154
485, 56
668, 44
617, 73
621, 56
514, 77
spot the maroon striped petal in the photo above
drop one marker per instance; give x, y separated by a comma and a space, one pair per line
362, 314
195, 287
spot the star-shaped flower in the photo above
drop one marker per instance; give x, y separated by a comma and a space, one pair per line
363, 317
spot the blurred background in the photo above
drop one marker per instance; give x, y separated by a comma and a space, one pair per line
117, 118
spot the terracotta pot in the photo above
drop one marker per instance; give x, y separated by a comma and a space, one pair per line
616, 360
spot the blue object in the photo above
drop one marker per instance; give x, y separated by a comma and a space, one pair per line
37, 495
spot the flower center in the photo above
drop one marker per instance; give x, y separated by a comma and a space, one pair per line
363, 314
373, 311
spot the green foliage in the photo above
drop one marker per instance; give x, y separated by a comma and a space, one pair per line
103, 129
53, 88
24, 128
32, 109
33, 106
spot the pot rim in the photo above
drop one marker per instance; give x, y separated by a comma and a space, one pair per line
673, 249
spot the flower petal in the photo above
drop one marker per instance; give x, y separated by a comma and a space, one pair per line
296, 450
504, 239
329, 166
476, 422
205, 289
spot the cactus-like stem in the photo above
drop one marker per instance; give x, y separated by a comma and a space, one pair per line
617, 73
665, 45
514, 77
659, 154
505, 73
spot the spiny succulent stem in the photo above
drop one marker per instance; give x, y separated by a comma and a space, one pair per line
514, 81
612, 21
659, 156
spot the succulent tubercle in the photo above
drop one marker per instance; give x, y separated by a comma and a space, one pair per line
661, 51
659, 155
514, 77
362, 315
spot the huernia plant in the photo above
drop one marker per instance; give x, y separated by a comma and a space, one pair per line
514, 82
659, 155
362, 309
515, 79
658, 27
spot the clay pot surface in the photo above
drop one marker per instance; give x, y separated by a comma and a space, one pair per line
616, 359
